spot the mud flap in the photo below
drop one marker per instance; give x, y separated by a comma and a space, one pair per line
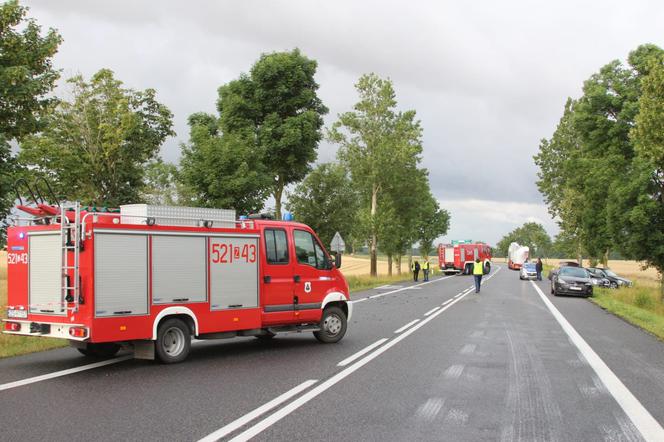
143, 350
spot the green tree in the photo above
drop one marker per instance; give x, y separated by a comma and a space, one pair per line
636, 209
326, 201
275, 112
432, 223
95, 148
222, 170
162, 186
26, 78
377, 144
530, 234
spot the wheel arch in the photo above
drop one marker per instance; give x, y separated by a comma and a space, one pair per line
180, 312
338, 299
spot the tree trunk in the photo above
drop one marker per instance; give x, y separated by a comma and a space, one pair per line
389, 264
661, 286
398, 259
605, 258
374, 238
278, 191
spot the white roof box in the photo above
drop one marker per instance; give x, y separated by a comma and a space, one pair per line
176, 215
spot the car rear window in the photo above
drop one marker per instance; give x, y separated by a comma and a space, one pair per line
575, 272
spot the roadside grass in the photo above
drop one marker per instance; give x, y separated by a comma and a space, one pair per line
640, 305
18, 345
362, 282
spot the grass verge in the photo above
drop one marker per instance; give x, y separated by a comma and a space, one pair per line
637, 305
362, 282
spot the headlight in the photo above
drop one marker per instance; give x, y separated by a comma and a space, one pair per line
620, 282
562, 281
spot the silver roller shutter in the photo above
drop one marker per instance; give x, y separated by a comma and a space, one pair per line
178, 269
45, 252
121, 274
233, 280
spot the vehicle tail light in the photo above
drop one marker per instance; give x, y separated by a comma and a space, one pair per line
12, 326
78, 332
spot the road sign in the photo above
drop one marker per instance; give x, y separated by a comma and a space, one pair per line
461, 241
338, 244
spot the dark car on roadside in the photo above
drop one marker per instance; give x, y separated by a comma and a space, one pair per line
573, 281
597, 279
615, 281
561, 264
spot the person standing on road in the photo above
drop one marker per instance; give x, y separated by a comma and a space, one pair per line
425, 269
478, 271
416, 270
538, 268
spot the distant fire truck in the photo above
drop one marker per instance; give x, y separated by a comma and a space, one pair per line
461, 256
149, 278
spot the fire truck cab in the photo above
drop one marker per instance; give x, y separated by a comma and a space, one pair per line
149, 279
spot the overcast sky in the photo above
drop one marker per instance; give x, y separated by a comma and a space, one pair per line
488, 79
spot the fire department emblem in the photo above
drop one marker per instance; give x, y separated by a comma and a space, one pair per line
307, 287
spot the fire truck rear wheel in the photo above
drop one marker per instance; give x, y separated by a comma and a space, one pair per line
173, 341
104, 350
332, 325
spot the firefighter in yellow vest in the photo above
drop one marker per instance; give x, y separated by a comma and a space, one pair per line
425, 269
478, 271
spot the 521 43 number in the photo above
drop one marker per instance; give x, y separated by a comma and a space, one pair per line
224, 253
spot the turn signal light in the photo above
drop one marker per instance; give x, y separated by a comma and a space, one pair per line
12, 326
78, 332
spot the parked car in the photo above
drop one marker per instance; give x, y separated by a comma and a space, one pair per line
528, 271
562, 264
615, 281
597, 279
571, 281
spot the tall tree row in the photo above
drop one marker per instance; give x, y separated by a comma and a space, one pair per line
27, 77
601, 172
101, 145
381, 147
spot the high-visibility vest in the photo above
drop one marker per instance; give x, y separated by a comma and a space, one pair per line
425, 265
478, 268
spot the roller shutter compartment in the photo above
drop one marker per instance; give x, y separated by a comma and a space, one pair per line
178, 269
45, 252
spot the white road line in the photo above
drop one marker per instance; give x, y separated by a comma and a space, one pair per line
355, 301
399, 330
649, 428
311, 394
431, 311
447, 302
362, 352
244, 420
406, 288
57, 374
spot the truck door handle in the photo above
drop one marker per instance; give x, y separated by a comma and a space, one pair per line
296, 278
267, 279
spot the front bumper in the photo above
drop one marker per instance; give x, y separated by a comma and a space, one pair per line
583, 291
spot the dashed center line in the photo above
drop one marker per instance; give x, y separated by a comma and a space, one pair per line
399, 330
362, 352
431, 311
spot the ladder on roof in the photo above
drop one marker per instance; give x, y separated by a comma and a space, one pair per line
70, 238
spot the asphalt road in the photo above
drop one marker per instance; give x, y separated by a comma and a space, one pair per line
501, 365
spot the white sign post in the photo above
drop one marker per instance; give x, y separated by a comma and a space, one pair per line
338, 245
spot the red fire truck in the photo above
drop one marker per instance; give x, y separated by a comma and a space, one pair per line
460, 257
149, 278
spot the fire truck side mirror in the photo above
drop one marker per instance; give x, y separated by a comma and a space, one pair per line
337, 260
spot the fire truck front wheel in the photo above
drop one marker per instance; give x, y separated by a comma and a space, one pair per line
332, 325
173, 341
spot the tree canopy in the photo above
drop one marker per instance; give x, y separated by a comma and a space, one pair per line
95, 148
27, 77
530, 234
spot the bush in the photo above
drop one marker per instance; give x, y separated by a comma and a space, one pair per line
643, 300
